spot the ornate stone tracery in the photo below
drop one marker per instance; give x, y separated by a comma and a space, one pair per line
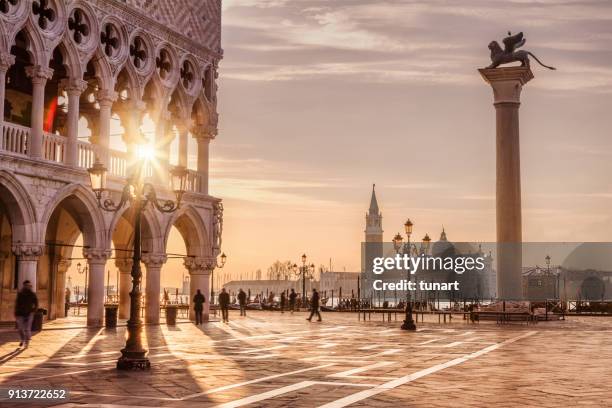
77, 57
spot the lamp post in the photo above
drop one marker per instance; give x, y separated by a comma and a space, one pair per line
212, 276
139, 194
303, 271
410, 249
84, 270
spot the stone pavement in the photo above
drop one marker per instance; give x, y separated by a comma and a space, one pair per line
273, 360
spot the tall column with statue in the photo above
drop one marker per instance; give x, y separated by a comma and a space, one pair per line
507, 84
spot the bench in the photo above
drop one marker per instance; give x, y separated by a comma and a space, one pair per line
502, 317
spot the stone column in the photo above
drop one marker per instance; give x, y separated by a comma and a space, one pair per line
183, 129
74, 88
153, 263
199, 278
39, 76
203, 134
105, 98
6, 61
507, 84
125, 285
96, 259
131, 112
27, 262
60, 287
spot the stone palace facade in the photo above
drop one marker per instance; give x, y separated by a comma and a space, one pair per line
69, 69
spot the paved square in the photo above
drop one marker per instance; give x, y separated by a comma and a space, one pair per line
273, 360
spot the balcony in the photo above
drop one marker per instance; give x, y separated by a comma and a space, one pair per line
15, 139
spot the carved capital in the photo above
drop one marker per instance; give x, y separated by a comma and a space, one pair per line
204, 131
94, 255
106, 97
6, 61
74, 86
154, 260
39, 74
63, 265
507, 83
27, 252
199, 265
124, 264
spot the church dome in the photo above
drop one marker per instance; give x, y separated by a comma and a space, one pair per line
443, 247
590, 256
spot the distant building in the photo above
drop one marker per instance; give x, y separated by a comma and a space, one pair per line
473, 284
266, 286
342, 283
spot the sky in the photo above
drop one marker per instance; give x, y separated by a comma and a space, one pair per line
318, 100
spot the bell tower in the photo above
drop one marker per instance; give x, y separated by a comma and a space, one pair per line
373, 231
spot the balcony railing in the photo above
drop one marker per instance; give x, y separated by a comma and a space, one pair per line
15, 139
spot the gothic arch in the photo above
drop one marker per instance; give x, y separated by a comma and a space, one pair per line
72, 63
151, 231
193, 230
84, 208
21, 212
35, 45
104, 73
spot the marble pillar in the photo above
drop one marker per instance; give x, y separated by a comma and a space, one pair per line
507, 84
183, 129
153, 264
96, 259
105, 98
27, 262
199, 278
74, 88
39, 76
203, 135
125, 286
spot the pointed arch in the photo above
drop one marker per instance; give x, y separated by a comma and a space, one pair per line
21, 211
193, 230
152, 233
83, 207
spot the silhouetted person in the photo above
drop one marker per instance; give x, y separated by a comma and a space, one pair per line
314, 305
25, 306
67, 302
242, 300
198, 306
292, 298
224, 300
283, 301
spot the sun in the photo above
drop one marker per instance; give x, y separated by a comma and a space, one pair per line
146, 152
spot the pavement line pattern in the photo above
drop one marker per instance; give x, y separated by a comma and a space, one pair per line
359, 396
350, 373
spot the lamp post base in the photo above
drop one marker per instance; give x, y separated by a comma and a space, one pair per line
408, 325
130, 360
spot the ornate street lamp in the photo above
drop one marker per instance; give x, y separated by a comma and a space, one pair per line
304, 271
139, 194
212, 275
409, 249
84, 270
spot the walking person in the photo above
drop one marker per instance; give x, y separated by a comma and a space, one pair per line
283, 301
224, 300
25, 306
198, 306
292, 298
314, 306
242, 301
67, 302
